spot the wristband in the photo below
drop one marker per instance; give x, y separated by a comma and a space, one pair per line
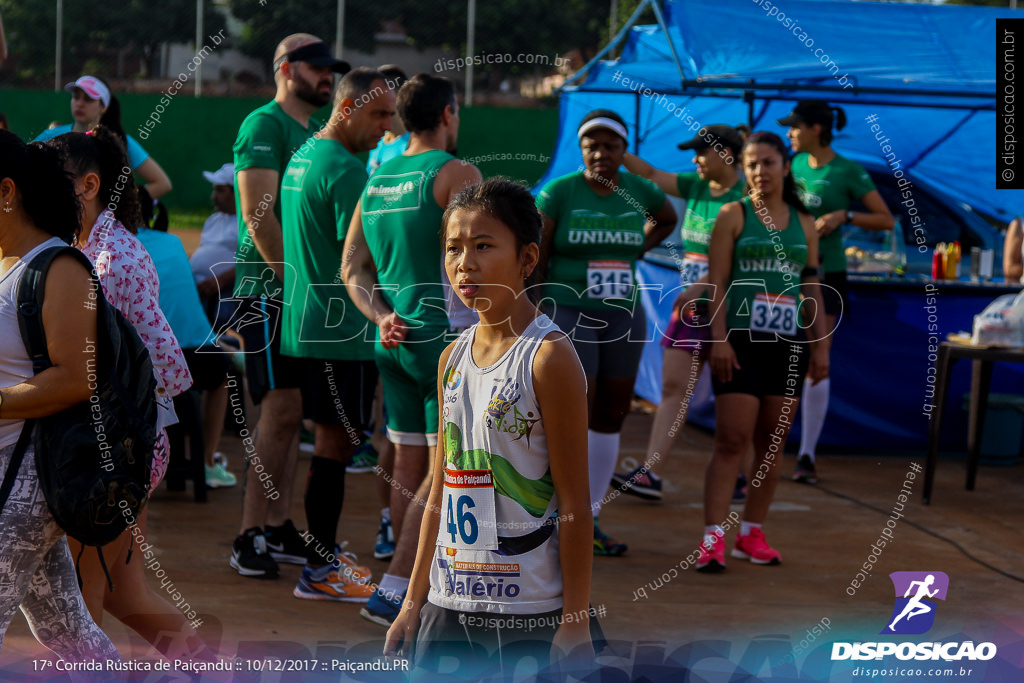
849, 216
810, 271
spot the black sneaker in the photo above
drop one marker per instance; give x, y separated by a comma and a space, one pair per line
285, 544
249, 555
643, 484
805, 473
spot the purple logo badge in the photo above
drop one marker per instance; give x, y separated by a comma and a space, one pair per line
914, 611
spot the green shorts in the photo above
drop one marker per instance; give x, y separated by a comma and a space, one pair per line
408, 374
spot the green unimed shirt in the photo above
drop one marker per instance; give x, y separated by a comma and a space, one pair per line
267, 138
402, 225
319, 192
831, 187
701, 211
764, 285
597, 239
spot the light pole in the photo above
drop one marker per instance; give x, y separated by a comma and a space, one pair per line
339, 30
199, 46
60, 33
470, 40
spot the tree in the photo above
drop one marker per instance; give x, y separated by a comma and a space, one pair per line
132, 28
267, 23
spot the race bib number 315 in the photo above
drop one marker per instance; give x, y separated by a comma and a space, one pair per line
609, 279
467, 511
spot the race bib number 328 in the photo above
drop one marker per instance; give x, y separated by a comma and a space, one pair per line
774, 313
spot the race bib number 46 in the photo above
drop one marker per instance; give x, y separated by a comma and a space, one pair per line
467, 511
609, 279
773, 313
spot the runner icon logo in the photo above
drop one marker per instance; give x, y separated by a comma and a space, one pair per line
914, 611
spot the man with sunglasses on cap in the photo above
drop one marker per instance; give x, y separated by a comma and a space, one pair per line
268, 137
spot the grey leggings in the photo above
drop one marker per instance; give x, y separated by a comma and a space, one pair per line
37, 573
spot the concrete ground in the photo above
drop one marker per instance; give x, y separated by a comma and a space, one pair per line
824, 533
750, 623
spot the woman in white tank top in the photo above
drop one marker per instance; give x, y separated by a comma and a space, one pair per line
504, 548
39, 210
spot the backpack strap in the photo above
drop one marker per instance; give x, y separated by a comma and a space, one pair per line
30, 301
15, 464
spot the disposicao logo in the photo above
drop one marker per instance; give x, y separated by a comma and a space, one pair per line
914, 612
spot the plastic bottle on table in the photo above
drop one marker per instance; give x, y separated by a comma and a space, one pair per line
939, 262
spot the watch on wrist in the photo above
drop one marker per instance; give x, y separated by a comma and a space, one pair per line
849, 216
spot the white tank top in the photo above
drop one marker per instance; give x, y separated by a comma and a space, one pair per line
497, 543
15, 365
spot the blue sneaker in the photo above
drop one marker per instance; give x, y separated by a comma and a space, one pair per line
385, 548
382, 610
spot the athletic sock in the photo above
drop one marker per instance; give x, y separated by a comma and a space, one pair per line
713, 531
325, 494
814, 408
747, 527
391, 585
603, 452
385, 514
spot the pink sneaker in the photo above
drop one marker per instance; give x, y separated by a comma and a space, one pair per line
755, 548
712, 554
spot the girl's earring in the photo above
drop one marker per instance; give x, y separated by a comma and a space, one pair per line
7, 207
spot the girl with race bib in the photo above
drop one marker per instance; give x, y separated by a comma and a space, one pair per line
827, 183
716, 183
504, 544
760, 283
597, 222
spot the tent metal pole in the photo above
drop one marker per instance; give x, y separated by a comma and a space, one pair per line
633, 18
668, 39
739, 94
636, 126
793, 85
749, 97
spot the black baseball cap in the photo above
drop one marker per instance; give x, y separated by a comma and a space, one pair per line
809, 112
314, 54
708, 136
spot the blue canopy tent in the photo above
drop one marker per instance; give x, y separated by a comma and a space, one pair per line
924, 73
927, 72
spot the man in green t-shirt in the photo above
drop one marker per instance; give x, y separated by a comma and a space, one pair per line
304, 73
392, 266
321, 328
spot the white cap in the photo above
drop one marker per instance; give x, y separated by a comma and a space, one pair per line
93, 87
225, 175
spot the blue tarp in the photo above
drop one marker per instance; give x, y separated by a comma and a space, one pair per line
908, 63
926, 72
879, 363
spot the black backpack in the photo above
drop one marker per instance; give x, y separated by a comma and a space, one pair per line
93, 459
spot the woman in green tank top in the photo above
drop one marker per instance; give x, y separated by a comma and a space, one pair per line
828, 182
759, 281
